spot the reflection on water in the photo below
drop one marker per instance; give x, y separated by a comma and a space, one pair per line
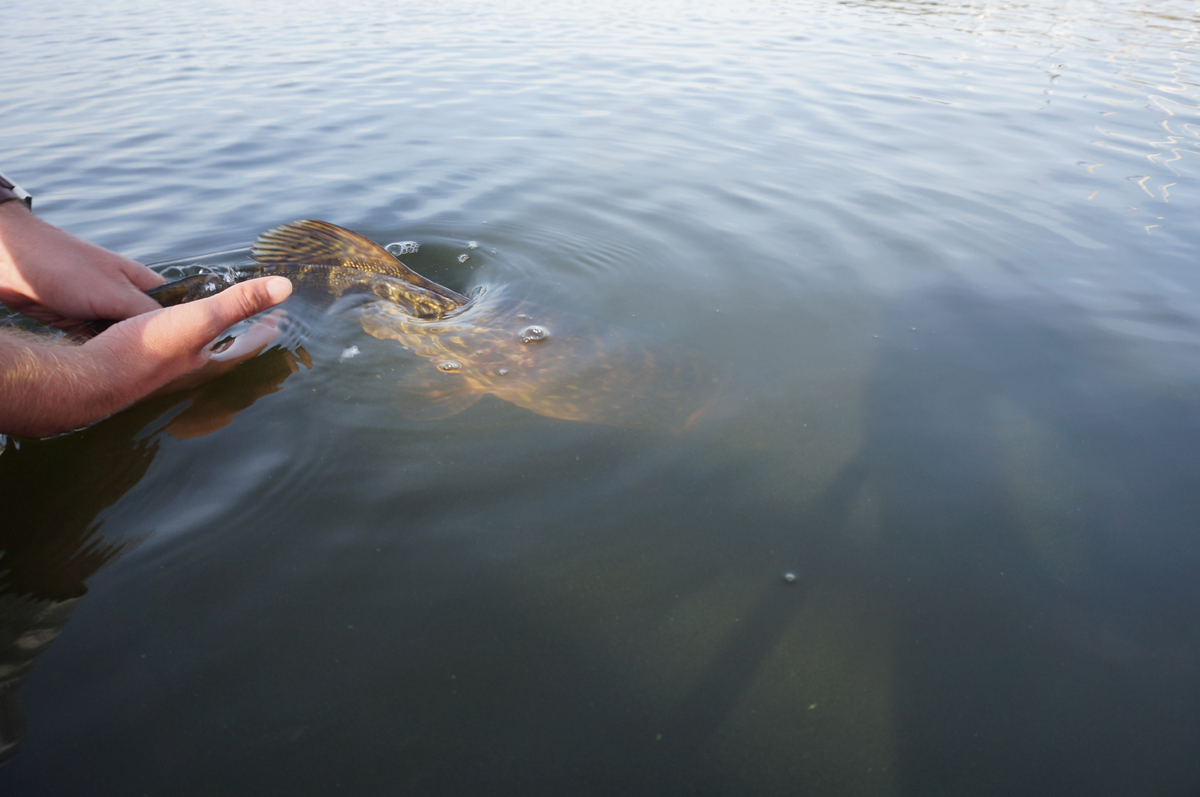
941, 256
54, 493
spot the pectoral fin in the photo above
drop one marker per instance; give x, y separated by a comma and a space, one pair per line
427, 394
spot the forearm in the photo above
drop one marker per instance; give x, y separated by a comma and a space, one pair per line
48, 386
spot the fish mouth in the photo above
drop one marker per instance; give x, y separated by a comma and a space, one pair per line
469, 304
416, 306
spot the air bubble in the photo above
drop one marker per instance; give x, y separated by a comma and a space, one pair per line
502, 371
472, 244
449, 367
534, 334
463, 258
789, 578
349, 353
402, 248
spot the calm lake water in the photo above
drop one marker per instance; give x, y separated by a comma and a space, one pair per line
930, 265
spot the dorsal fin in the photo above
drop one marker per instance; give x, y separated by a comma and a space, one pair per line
318, 243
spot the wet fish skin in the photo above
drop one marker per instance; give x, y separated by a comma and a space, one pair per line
551, 363
315, 281
189, 289
317, 253
322, 260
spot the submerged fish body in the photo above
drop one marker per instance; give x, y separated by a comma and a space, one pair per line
553, 364
550, 363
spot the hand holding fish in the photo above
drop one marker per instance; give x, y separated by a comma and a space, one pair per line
48, 387
60, 280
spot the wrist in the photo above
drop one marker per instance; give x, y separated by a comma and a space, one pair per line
49, 386
14, 222
45, 387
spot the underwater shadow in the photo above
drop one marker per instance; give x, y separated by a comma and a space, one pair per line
1033, 489
54, 493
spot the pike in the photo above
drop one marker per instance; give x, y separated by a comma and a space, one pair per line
551, 363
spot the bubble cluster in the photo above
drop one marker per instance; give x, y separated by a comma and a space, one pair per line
463, 258
534, 334
402, 248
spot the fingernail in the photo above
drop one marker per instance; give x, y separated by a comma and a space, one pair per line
278, 288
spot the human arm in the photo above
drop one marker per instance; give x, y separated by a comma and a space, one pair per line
48, 387
60, 280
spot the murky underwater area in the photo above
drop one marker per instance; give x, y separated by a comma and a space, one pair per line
914, 288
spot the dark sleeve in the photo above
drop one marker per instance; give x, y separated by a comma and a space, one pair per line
10, 190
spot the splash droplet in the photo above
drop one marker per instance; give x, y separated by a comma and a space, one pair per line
402, 248
348, 353
472, 245
502, 371
449, 367
534, 334
463, 258
789, 578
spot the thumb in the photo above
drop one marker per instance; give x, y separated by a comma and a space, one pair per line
191, 327
174, 340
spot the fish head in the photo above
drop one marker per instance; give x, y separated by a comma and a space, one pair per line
483, 343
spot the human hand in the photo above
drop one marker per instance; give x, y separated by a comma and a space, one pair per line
227, 353
47, 389
212, 406
60, 280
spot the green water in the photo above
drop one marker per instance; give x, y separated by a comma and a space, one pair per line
933, 262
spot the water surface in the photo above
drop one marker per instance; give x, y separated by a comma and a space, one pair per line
936, 262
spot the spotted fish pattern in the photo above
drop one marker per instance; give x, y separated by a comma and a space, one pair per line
551, 363
323, 259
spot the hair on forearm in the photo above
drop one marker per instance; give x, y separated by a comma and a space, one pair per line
40, 374
24, 355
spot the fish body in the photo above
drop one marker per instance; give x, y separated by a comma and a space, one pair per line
554, 364
322, 259
551, 363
